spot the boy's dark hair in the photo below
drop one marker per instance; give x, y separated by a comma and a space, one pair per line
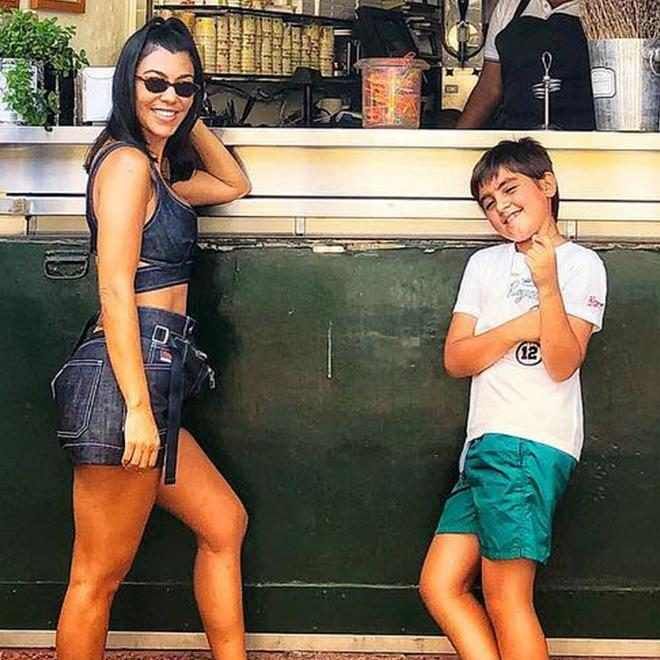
525, 156
123, 125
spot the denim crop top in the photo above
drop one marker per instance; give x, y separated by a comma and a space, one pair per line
169, 236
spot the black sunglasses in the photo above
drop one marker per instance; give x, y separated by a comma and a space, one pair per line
185, 89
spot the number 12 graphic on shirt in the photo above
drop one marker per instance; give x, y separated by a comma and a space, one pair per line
528, 353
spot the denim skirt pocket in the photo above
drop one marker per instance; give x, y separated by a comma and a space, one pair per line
74, 389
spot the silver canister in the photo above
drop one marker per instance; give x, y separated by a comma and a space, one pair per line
625, 78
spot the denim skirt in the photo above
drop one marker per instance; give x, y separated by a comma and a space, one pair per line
90, 407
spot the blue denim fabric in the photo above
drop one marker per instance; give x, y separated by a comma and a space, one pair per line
169, 236
90, 406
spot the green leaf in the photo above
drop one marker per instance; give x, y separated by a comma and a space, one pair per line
26, 37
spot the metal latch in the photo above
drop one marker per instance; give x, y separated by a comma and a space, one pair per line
66, 265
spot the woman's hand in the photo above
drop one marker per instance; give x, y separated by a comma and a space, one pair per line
221, 178
141, 439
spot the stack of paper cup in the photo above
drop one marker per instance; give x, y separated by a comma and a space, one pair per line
235, 42
205, 38
278, 30
248, 44
313, 33
257, 47
296, 47
266, 45
223, 44
287, 68
327, 51
306, 47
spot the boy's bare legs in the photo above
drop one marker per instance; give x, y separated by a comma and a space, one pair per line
449, 571
204, 501
509, 593
111, 506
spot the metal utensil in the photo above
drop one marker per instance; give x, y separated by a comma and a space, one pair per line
547, 86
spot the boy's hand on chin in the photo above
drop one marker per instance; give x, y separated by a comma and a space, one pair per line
542, 262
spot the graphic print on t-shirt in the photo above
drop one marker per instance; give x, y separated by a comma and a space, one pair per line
528, 353
523, 288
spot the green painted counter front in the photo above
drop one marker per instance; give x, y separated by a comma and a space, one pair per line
343, 476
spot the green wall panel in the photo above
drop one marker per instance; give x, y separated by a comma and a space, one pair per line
343, 477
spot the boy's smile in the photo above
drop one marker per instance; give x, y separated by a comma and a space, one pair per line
518, 206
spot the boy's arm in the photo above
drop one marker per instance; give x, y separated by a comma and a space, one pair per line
467, 354
563, 338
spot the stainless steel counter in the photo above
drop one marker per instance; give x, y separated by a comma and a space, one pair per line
342, 137
354, 184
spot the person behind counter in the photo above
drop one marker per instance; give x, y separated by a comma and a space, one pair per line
523, 318
520, 31
120, 394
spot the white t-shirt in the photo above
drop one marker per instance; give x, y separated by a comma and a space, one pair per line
505, 10
516, 396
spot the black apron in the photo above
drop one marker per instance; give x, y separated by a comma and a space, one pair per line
520, 46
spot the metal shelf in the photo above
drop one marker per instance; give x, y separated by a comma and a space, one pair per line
256, 77
289, 17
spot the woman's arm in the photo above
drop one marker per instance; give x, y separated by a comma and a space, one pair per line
467, 354
222, 179
122, 192
485, 97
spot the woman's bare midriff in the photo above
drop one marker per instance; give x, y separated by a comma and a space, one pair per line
171, 299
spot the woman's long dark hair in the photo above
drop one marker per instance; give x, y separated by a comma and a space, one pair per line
123, 124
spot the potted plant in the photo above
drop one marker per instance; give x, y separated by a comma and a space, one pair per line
30, 48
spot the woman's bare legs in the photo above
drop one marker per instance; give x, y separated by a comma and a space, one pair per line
204, 501
509, 593
111, 506
451, 566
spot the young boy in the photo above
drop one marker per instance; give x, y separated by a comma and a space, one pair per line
521, 325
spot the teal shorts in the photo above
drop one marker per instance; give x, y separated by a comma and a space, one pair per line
507, 495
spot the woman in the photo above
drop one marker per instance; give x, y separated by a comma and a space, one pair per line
119, 396
519, 33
